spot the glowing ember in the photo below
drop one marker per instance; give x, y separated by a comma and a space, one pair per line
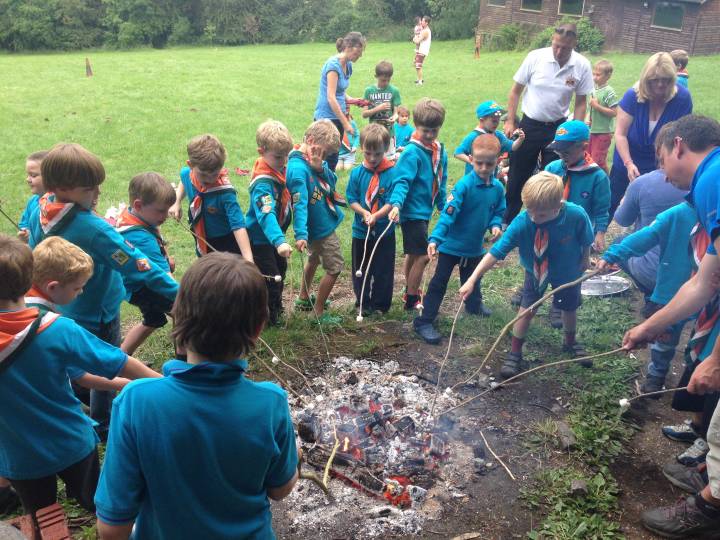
347, 444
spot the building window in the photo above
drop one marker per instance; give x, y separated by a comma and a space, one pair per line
571, 7
668, 15
531, 5
496, 3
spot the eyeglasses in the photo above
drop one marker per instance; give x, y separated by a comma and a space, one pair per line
664, 80
565, 32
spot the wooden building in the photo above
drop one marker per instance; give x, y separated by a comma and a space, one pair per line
643, 26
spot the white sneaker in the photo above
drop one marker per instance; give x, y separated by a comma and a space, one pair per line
694, 455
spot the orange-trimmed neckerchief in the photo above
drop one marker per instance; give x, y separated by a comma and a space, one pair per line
585, 164
197, 219
708, 316
435, 150
261, 171
37, 298
332, 197
127, 221
372, 195
55, 216
541, 262
345, 142
15, 328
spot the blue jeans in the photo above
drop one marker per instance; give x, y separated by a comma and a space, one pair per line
662, 351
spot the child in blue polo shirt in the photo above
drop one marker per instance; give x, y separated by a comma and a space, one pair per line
215, 217
420, 179
317, 213
269, 214
72, 176
150, 198
43, 430
367, 193
37, 188
488, 114
553, 237
209, 471
402, 129
476, 205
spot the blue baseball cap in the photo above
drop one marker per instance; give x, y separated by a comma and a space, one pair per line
569, 133
488, 108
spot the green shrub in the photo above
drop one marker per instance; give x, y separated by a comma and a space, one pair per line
454, 19
590, 38
511, 37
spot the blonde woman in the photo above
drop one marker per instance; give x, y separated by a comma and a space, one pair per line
652, 102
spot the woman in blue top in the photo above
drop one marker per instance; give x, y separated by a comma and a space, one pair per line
334, 80
651, 103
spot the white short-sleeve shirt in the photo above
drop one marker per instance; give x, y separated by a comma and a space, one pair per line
548, 87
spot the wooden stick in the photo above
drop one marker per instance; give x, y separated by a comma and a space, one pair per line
328, 465
421, 306
359, 271
522, 314
538, 368
500, 461
372, 254
312, 305
279, 378
447, 353
188, 229
304, 378
666, 391
11, 220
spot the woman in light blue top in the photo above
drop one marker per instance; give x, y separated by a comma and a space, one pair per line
334, 80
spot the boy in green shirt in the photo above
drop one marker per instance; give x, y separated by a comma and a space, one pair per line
383, 98
603, 109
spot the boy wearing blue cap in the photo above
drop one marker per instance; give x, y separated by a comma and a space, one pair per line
553, 237
488, 114
476, 205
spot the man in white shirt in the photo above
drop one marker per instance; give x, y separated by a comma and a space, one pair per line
422, 47
549, 77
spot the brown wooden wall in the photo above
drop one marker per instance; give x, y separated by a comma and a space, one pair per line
627, 25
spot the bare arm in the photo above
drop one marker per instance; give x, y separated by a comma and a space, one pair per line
243, 242
487, 262
513, 100
580, 108
332, 80
624, 121
463, 157
113, 532
605, 111
135, 369
175, 210
279, 493
95, 382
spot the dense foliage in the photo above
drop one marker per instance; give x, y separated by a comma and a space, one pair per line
74, 24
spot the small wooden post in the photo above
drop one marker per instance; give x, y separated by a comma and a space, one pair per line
88, 68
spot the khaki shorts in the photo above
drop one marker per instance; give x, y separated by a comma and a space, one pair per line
327, 251
713, 457
419, 59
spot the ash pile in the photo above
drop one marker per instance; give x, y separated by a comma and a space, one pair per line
391, 459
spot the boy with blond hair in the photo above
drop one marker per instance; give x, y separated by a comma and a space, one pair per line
270, 213
37, 189
420, 179
72, 175
215, 217
317, 213
603, 110
43, 431
150, 198
553, 237
367, 193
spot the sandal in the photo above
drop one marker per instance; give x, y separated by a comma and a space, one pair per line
578, 351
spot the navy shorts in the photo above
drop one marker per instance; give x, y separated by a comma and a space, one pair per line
153, 307
567, 300
415, 237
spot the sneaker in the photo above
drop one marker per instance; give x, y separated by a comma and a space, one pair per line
512, 366
695, 455
482, 310
516, 298
329, 319
682, 520
578, 351
690, 479
306, 304
9, 500
555, 318
428, 333
653, 383
684, 432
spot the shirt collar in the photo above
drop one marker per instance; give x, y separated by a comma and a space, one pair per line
704, 164
207, 372
550, 57
480, 182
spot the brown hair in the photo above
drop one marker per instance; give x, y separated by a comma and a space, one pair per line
69, 165
375, 137
429, 113
488, 142
680, 57
151, 187
604, 66
697, 132
384, 69
402, 109
324, 133
56, 259
206, 152
16, 267
221, 307
37, 156
273, 135
351, 40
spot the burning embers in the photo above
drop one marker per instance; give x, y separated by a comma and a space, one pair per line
387, 446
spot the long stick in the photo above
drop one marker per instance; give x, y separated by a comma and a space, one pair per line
11, 220
279, 378
500, 461
359, 271
331, 458
304, 378
312, 304
420, 307
522, 314
447, 353
666, 391
188, 229
367, 270
538, 368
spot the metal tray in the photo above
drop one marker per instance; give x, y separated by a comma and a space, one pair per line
605, 286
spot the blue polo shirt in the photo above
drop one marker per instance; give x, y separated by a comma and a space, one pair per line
589, 189
403, 134
671, 232
322, 106
313, 218
473, 207
262, 215
43, 429
412, 190
355, 193
221, 211
146, 242
114, 260
193, 455
570, 233
30, 207
465, 147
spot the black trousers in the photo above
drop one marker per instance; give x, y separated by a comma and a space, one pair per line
381, 273
332, 159
524, 160
271, 263
619, 183
438, 286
